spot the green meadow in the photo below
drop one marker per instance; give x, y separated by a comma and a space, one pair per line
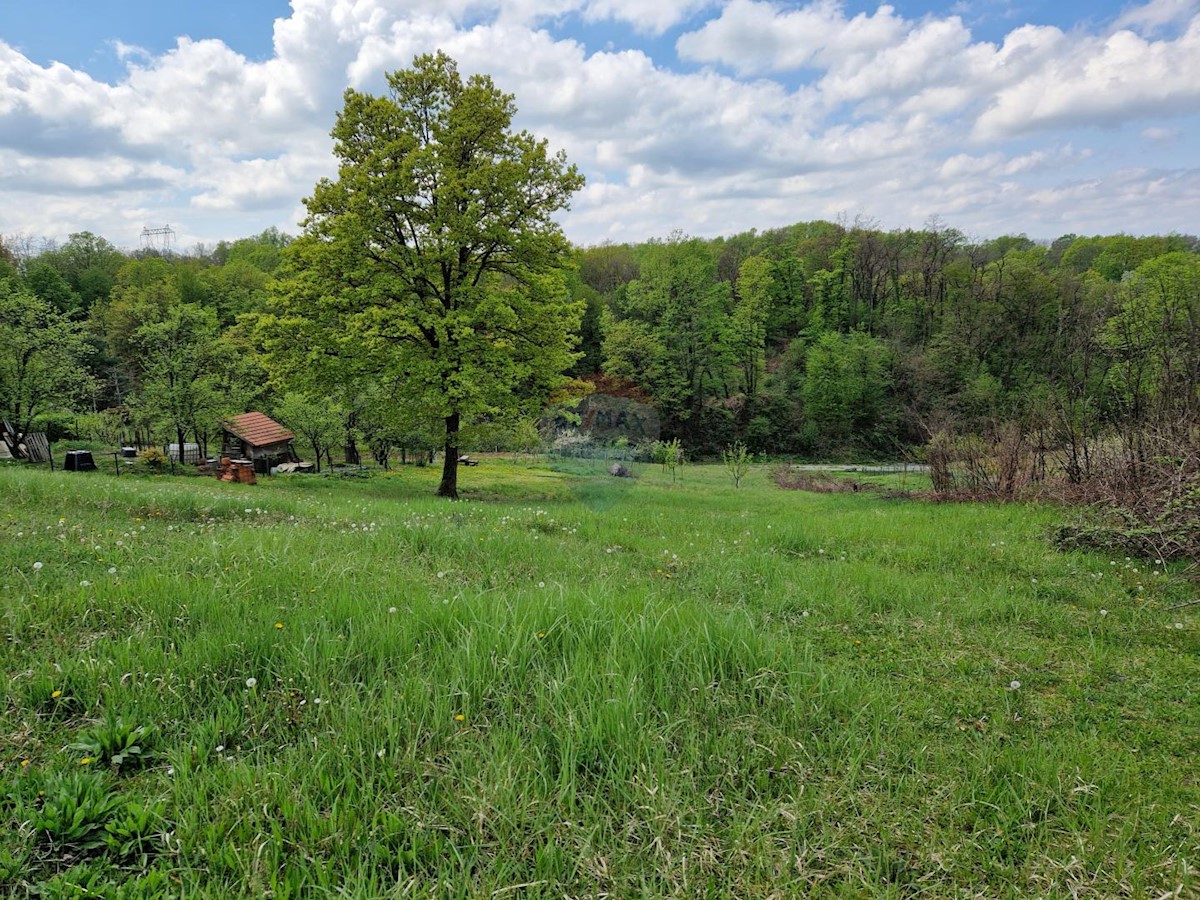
572, 685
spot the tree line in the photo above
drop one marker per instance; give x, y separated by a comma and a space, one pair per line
820, 339
826, 339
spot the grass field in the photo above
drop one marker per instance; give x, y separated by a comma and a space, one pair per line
574, 685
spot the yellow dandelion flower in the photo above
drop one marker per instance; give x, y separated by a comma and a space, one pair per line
278, 624
541, 634
86, 761
25, 763
54, 695
460, 718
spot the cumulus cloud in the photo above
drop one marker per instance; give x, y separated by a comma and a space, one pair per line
785, 112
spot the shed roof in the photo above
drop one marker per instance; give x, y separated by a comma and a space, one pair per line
258, 430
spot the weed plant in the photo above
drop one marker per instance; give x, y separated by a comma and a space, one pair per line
578, 685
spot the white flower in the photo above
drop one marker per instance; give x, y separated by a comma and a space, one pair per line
1179, 625
251, 682
36, 566
316, 701
380, 754
112, 570
219, 748
804, 614
1014, 685
391, 609
541, 584
1104, 612
85, 583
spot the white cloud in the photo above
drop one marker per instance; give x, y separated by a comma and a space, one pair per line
798, 111
754, 37
1157, 15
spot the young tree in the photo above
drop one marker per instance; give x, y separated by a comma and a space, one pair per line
179, 386
42, 357
318, 421
435, 252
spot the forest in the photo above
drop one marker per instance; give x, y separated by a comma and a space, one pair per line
819, 340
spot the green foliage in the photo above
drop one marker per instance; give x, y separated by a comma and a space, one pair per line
846, 389
43, 356
116, 742
434, 258
319, 422
737, 460
74, 812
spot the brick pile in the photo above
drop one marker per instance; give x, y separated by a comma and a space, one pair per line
239, 471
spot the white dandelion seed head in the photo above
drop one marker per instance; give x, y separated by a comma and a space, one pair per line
37, 565
1014, 685
1179, 626
251, 682
391, 609
112, 570
1104, 612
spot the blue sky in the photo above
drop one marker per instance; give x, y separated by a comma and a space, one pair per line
709, 116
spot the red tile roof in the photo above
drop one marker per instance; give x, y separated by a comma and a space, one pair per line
258, 430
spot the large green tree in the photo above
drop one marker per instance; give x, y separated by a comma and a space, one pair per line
435, 253
43, 357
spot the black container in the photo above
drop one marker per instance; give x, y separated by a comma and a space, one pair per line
79, 461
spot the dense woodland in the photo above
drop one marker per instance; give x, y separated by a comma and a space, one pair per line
818, 340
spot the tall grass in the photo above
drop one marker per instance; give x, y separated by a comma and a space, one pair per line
586, 686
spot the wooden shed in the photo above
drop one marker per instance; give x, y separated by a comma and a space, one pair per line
258, 438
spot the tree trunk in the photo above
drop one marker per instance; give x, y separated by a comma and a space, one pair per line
449, 486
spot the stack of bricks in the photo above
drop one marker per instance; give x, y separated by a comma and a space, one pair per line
240, 471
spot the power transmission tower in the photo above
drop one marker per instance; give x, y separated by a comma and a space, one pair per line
159, 239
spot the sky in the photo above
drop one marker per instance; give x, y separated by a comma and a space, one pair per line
699, 116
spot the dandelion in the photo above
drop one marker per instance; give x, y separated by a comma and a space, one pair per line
1179, 626
804, 614
541, 634
36, 566
1014, 685
54, 695
86, 761
85, 584
25, 763
380, 754
441, 575
392, 610
112, 570
460, 718
541, 584
251, 682
278, 625
219, 748
1104, 612
316, 701
170, 771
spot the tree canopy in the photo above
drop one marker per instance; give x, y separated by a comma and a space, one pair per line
434, 257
